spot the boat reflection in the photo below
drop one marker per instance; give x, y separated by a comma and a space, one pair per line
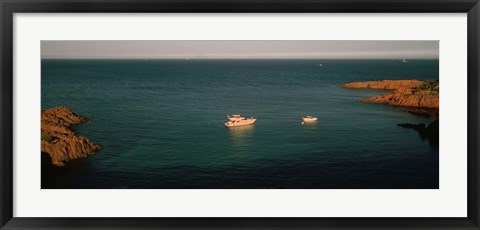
240, 134
310, 125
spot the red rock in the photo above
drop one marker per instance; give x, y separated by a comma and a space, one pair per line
62, 116
401, 94
64, 146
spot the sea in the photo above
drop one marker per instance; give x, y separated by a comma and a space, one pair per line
161, 125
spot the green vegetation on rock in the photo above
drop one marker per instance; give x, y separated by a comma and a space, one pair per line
46, 137
430, 85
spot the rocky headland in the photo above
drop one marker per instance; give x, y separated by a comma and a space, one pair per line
418, 97
409, 93
59, 141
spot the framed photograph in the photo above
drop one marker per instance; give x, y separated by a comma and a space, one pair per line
233, 114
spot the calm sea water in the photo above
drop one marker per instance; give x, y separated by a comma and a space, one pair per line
161, 125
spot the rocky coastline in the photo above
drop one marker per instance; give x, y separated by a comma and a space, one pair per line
421, 98
59, 140
408, 93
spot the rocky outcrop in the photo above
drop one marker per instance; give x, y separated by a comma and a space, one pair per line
411, 93
406, 97
59, 140
419, 97
430, 131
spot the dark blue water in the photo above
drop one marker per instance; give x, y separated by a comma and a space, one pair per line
161, 124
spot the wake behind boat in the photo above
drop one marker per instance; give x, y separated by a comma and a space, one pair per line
237, 120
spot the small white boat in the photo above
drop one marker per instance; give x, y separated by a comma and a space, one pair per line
404, 60
309, 119
320, 64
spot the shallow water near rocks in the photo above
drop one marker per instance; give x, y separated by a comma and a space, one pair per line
161, 125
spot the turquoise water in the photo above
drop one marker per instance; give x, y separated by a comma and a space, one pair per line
161, 124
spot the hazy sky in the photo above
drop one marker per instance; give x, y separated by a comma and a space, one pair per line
239, 49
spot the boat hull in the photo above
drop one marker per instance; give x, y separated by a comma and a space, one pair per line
309, 119
240, 123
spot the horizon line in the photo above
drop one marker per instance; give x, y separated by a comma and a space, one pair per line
187, 59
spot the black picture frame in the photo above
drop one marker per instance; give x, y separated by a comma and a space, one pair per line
10, 7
